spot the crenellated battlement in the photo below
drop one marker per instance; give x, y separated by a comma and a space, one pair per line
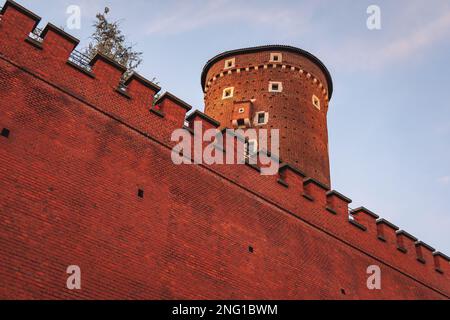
51, 54
330, 210
51, 57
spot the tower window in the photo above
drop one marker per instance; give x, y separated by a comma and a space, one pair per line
241, 110
275, 86
230, 63
316, 101
228, 93
240, 123
261, 118
140, 193
251, 147
276, 57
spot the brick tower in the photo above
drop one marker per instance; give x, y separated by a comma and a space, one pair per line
274, 87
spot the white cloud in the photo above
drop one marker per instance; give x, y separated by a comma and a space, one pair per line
404, 37
420, 39
445, 180
442, 128
185, 16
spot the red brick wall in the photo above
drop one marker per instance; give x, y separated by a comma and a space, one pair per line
70, 169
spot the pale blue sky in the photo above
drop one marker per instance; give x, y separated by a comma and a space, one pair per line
389, 118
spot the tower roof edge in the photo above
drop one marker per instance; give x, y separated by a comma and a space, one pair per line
302, 52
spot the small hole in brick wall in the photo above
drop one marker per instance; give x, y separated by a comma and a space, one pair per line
343, 291
250, 249
140, 193
5, 132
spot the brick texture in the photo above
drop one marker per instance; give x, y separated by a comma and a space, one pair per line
76, 155
302, 127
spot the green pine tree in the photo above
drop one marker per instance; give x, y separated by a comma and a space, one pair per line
109, 40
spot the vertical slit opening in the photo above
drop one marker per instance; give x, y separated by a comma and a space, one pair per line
5, 132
